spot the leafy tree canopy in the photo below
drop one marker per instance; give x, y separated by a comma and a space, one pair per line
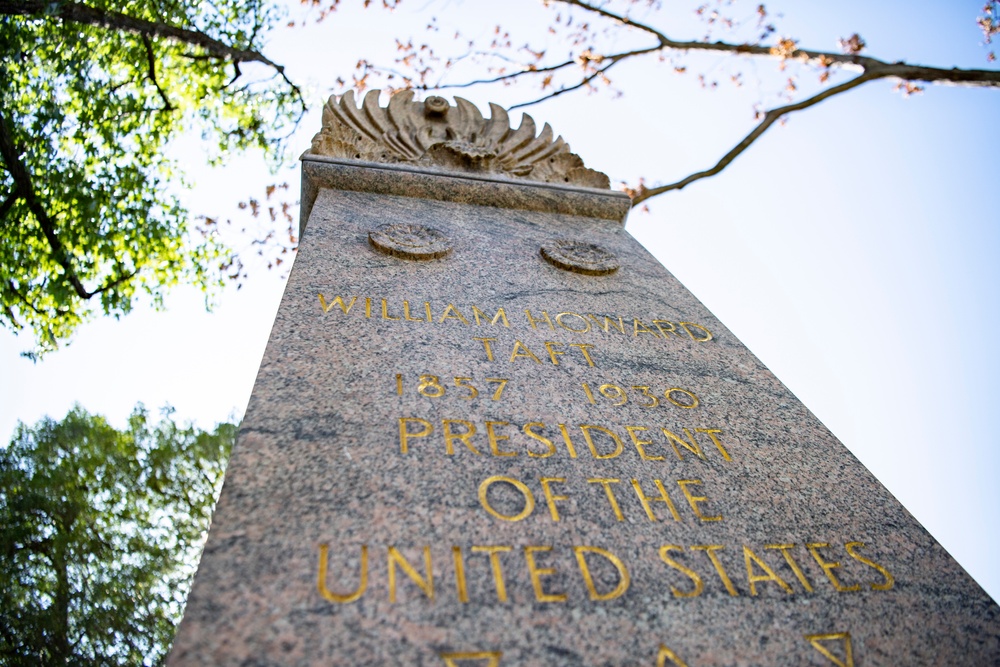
98, 530
90, 97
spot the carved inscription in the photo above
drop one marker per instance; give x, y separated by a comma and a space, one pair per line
673, 457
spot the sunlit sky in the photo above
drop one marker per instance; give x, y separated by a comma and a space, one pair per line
853, 250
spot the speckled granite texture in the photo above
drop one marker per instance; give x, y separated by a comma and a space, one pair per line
379, 511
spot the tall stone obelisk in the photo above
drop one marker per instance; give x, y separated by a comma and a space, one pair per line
490, 429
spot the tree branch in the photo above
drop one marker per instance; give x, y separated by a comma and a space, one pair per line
583, 82
151, 61
8, 204
81, 13
770, 118
902, 70
124, 277
24, 186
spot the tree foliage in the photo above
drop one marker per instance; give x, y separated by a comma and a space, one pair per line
588, 41
98, 530
91, 95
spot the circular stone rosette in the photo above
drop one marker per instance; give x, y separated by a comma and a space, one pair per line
579, 257
409, 241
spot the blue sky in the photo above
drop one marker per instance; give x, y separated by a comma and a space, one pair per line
854, 250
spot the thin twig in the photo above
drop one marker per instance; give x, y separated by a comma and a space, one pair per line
902, 70
583, 82
770, 118
151, 61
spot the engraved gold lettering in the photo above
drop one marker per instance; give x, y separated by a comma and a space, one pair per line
492, 658
710, 550
427, 311
430, 386
799, 574
619, 445
494, 553
460, 585
644, 390
845, 637
450, 436
699, 585
640, 444
385, 311
586, 390
690, 400
337, 301
888, 582
829, 567
534, 322
708, 334
606, 482
527, 428
638, 328
496, 439
368, 306
486, 346
613, 393
550, 497
586, 324
692, 447
569, 443
609, 323
321, 577
529, 499
694, 500
405, 435
527, 354
751, 559
623, 576
456, 316
537, 573
425, 583
671, 328
465, 383
666, 654
406, 313
553, 353
583, 350
711, 434
501, 383
646, 500
499, 317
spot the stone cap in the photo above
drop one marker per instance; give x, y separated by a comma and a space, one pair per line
435, 135
320, 172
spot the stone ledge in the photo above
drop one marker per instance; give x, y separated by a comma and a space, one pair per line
391, 179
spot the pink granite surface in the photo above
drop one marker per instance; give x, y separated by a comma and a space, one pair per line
319, 466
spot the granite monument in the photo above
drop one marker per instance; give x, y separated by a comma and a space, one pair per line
491, 430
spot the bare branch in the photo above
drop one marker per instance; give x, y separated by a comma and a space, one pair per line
583, 82
902, 70
619, 18
503, 77
769, 119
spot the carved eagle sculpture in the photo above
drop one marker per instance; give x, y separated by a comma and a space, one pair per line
435, 134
